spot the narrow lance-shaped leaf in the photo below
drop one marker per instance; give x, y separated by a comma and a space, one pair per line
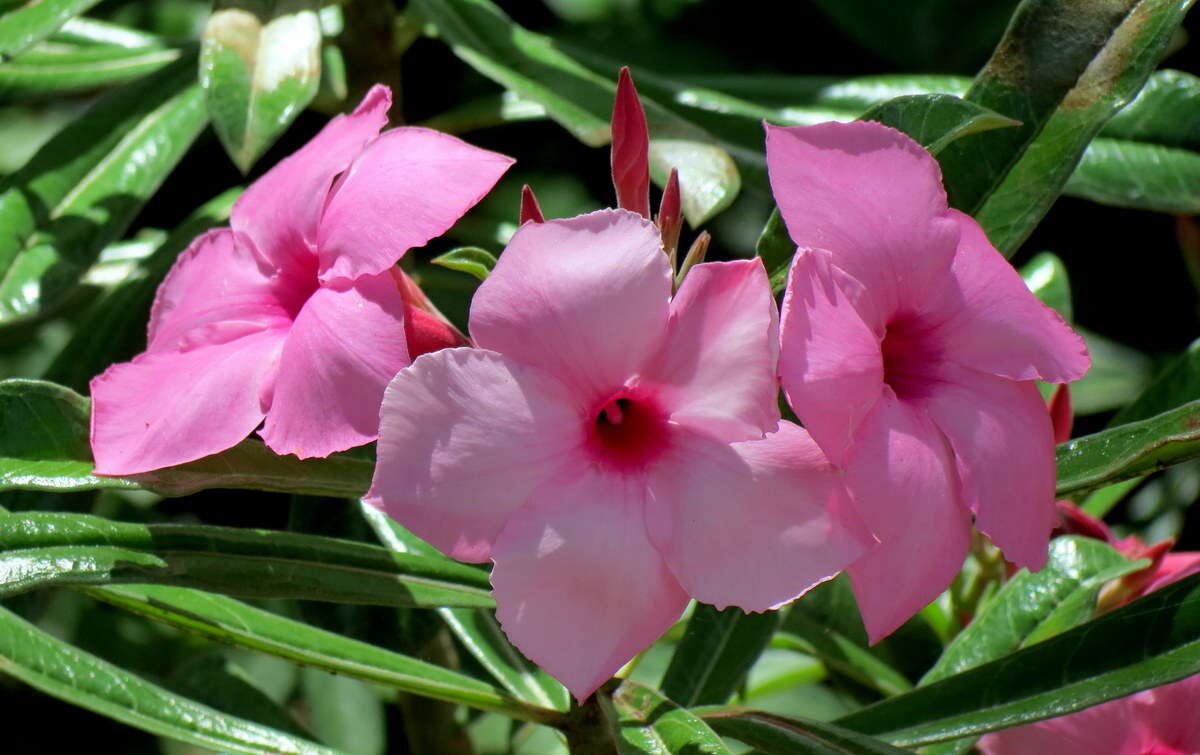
716, 651
470, 259
1064, 68
70, 674
792, 736
1084, 666
630, 148
1177, 383
23, 27
260, 65
83, 188
55, 72
44, 549
235, 623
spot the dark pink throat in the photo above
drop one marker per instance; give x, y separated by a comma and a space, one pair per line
626, 433
910, 357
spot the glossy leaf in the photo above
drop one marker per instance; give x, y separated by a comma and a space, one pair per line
1084, 666
83, 188
55, 72
580, 99
1063, 69
70, 674
1046, 277
1031, 606
42, 549
260, 65
840, 653
1129, 450
716, 652
112, 329
44, 446
468, 259
648, 723
82, 30
1177, 383
783, 735
478, 631
232, 622
936, 120
27, 25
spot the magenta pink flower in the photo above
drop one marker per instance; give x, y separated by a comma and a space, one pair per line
294, 315
909, 351
603, 447
1159, 721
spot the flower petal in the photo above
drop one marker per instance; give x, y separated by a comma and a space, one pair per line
166, 408
1003, 445
997, 325
218, 289
282, 209
870, 195
465, 436
715, 372
830, 362
407, 186
579, 588
903, 483
752, 524
346, 344
585, 298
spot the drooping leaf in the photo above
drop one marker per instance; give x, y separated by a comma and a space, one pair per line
1129, 450
83, 188
41, 549
55, 72
783, 735
260, 65
716, 651
468, 259
1064, 68
1084, 666
580, 99
70, 674
235, 623
23, 27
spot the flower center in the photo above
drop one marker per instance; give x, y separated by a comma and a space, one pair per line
909, 353
627, 433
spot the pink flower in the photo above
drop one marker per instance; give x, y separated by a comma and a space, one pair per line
1159, 721
603, 447
295, 314
909, 351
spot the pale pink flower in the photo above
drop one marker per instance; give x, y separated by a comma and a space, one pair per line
294, 315
909, 351
1159, 721
603, 447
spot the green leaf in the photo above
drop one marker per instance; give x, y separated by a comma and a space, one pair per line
260, 66
784, 735
1130, 450
468, 259
346, 713
1046, 277
648, 723
537, 69
1064, 68
83, 188
1118, 375
1148, 156
776, 249
716, 652
112, 329
41, 549
841, 654
82, 30
27, 25
217, 681
44, 446
936, 120
1084, 666
1030, 605
82, 679
477, 630
1178, 383
55, 72
229, 621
